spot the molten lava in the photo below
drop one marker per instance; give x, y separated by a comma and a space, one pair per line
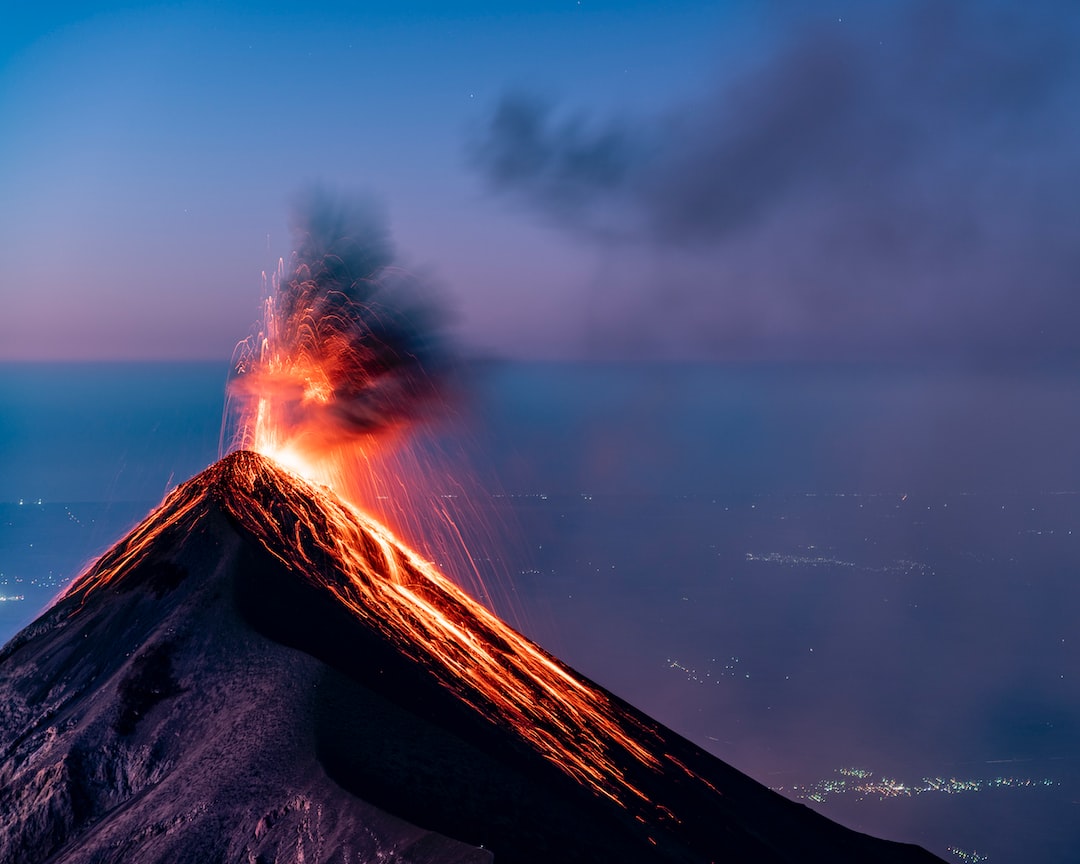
340, 381
347, 356
487, 664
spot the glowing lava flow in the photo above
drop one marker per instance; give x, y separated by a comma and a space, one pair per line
336, 373
385, 584
347, 355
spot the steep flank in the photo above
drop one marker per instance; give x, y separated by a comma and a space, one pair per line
260, 672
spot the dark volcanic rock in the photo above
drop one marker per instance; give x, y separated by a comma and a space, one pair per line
199, 696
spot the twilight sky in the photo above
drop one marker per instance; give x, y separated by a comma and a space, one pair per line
724, 180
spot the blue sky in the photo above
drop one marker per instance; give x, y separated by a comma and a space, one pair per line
706, 180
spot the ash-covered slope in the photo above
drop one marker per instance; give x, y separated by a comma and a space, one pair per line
257, 673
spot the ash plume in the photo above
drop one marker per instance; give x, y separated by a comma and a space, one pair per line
888, 181
350, 345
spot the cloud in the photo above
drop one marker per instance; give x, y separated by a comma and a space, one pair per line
901, 183
563, 167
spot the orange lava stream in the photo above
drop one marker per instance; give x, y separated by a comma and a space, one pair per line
483, 661
392, 588
287, 406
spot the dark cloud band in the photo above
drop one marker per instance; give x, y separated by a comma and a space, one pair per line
906, 181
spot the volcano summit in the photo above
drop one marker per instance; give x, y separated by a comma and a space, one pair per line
260, 673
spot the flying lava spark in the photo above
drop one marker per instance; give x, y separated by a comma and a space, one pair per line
348, 354
341, 380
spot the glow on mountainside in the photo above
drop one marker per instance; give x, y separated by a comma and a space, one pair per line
391, 588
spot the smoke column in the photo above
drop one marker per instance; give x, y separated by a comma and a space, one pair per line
348, 382
348, 349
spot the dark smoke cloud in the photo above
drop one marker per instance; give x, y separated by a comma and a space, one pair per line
565, 167
902, 181
351, 345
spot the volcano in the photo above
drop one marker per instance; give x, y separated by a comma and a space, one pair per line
261, 673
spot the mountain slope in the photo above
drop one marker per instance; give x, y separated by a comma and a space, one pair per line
259, 673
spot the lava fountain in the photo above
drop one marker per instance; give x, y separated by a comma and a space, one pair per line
343, 377
348, 355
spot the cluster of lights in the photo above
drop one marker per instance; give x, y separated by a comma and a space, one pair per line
785, 559
729, 670
72, 517
797, 560
51, 580
967, 857
863, 784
